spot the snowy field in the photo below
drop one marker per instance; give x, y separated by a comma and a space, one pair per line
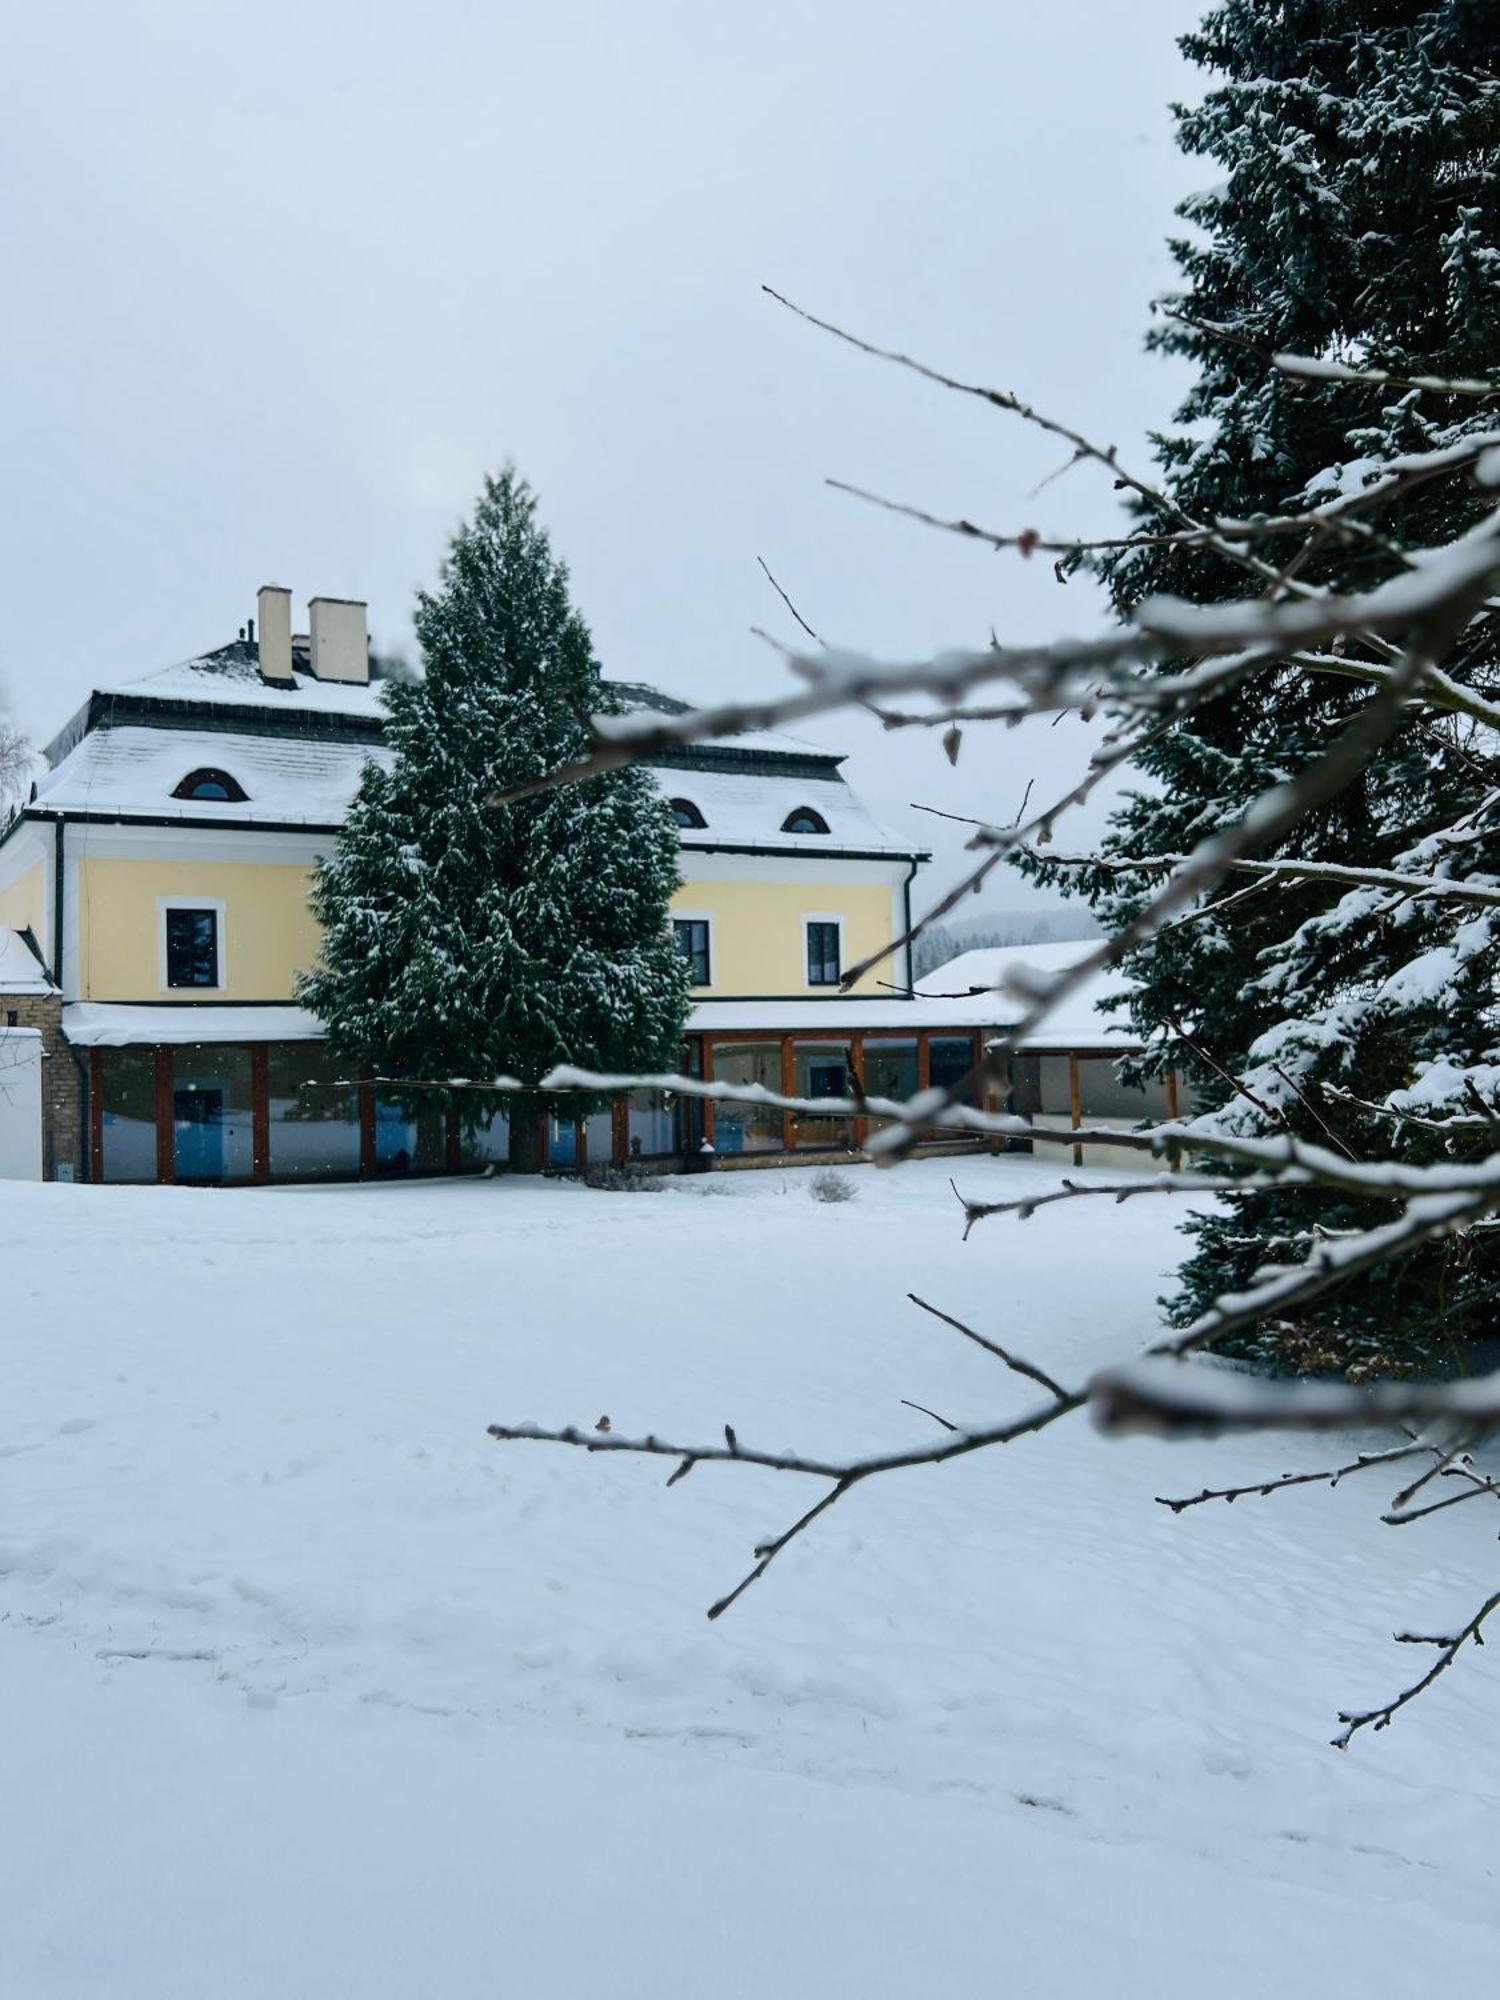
310, 1688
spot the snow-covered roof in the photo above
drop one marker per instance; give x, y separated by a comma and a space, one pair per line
639, 699
745, 807
92, 1024
20, 972
980, 978
231, 677
95, 1024
300, 776
838, 1017
287, 780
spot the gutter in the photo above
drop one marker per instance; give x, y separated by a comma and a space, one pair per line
85, 1084
814, 853
59, 837
82, 817
911, 876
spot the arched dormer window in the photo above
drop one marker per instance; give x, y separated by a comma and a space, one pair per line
686, 813
213, 787
804, 820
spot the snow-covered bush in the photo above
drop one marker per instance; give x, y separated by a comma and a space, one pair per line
828, 1184
623, 1179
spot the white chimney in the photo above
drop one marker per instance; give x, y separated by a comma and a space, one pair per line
340, 642
274, 625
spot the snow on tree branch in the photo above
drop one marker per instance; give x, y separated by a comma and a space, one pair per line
1411, 629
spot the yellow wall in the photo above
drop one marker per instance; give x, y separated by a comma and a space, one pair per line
269, 931
25, 902
758, 944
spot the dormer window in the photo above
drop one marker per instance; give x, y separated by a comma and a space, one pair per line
804, 820
686, 813
213, 787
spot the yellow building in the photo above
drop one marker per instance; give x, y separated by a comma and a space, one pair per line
161, 871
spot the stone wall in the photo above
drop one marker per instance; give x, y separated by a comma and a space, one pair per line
63, 1134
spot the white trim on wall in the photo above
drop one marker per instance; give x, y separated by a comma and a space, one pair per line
811, 870
91, 842
221, 942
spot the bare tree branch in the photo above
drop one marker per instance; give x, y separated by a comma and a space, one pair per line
1012, 1361
1382, 1717
1261, 1488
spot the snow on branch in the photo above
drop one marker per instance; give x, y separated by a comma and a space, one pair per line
1289, 869
1413, 639
845, 1474
1341, 516
1310, 368
1172, 1399
1449, 1649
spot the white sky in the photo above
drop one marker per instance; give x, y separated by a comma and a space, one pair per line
285, 279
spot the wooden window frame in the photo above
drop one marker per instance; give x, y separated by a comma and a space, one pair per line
234, 792
686, 918
824, 920
169, 906
818, 830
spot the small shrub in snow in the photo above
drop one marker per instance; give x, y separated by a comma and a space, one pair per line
828, 1184
622, 1180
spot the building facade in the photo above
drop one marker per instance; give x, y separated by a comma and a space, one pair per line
160, 876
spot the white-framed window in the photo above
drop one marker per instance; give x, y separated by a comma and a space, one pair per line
190, 944
823, 947
694, 933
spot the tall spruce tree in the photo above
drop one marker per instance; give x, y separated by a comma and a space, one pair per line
468, 940
1357, 219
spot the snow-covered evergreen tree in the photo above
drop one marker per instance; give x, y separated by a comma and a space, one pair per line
464, 939
1357, 219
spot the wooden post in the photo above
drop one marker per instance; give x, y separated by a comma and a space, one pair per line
96, 1116
453, 1142
924, 1060
1075, 1104
580, 1144
367, 1160
260, 1111
788, 1084
166, 1134
619, 1130
710, 1109
861, 1127
1174, 1153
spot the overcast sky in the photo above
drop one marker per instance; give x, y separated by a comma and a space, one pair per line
284, 280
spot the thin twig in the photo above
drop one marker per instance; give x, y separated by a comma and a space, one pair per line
1260, 1488
1381, 1718
1012, 1361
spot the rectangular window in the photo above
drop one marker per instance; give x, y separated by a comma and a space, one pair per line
212, 1118
748, 1128
192, 947
951, 1058
127, 1113
821, 1069
691, 934
313, 1116
822, 953
891, 1069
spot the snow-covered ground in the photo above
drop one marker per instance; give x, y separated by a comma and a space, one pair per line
310, 1688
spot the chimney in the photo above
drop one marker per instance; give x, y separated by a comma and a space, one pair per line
274, 605
340, 643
